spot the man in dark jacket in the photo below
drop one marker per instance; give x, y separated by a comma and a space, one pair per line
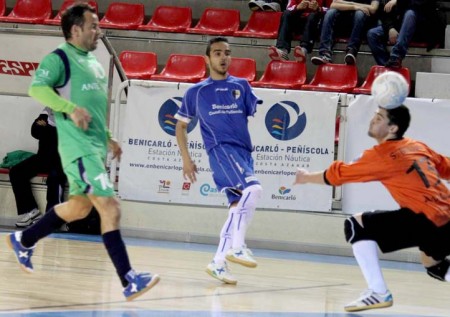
46, 161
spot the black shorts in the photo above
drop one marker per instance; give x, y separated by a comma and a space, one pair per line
400, 229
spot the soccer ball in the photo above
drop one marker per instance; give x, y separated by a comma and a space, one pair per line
390, 90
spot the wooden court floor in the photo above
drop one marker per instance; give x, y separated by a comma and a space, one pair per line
74, 277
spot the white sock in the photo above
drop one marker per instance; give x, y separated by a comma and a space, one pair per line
226, 238
239, 227
244, 214
366, 254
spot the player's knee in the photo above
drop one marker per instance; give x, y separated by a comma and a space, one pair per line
354, 232
254, 190
439, 270
251, 195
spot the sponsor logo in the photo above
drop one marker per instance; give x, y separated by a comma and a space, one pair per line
185, 188
283, 194
284, 190
284, 121
208, 190
164, 186
17, 68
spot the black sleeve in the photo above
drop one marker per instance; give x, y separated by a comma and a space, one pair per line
39, 131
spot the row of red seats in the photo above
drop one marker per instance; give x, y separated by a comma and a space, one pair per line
179, 67
129, 16
36, 11
278, 74
214, 21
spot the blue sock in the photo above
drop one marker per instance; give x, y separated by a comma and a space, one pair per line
118, 254
49, 223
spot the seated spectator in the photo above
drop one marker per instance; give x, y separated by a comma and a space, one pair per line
300, 14
358, 12
399, 21
45, 161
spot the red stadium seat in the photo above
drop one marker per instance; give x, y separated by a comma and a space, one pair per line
282, 74
169, 19
67, 3
125, 16
138, 65
374, 72
2, 7
216, 21
334, 78
261, 24
243, 68
29, 11
183, 68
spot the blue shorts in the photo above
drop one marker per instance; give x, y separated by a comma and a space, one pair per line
232, 170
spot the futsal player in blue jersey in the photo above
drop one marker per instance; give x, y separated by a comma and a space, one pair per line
222, 104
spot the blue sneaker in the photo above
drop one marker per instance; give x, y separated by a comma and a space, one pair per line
23, 255
139, 284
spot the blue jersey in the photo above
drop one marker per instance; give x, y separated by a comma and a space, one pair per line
222, 107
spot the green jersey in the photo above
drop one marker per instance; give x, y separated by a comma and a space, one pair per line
86, 88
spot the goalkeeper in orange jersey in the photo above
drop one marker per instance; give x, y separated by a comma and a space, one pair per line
412, 174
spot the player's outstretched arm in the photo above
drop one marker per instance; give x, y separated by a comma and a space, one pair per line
304, 177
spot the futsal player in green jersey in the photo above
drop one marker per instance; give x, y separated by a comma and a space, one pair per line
73, 83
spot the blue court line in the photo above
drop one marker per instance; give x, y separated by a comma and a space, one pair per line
210, 248
271, 254
164, 313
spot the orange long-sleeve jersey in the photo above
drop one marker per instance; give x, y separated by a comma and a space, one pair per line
409, 170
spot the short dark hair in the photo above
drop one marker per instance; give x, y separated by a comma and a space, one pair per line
213, 41
74, 15
400, 117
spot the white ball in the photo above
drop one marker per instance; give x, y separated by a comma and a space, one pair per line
390, 90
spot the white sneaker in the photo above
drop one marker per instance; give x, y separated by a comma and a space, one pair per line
242, 256
369, 300
221, 272
29, 218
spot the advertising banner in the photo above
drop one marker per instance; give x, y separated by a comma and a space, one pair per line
291, 129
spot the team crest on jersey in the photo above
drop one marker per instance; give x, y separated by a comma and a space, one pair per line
236, 93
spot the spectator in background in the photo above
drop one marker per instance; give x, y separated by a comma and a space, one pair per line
399, 21
359, 13
46, 161
300, 15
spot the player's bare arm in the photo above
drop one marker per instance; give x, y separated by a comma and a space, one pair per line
189, 167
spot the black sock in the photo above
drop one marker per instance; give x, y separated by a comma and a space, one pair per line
49, 223
118, 254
